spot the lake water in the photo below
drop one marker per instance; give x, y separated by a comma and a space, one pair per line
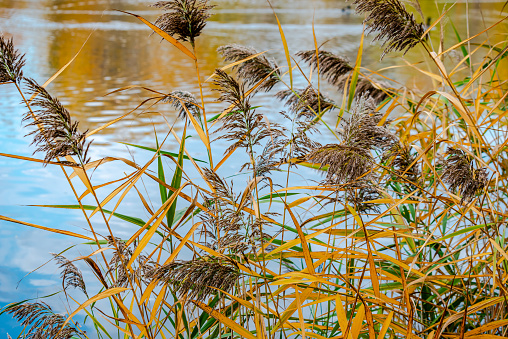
121, 52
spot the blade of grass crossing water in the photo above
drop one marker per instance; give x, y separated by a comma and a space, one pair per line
177, 178
356, 72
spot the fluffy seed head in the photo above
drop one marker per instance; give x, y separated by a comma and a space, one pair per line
331, 66
336, 70
40, 322
392, 23
56, 133
253, 70
11, 62
184, 19
459, 172
200, 278
184, 102
305, 102
352, 160
71, 275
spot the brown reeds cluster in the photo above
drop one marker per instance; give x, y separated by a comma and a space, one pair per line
459, 172
337, 71
11, 62
40, 322
253, 70
185, 102
392, 23
184, 19
56, 134
71, 275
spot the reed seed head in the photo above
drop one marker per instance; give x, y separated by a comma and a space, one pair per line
184, 19
184, 102
306, 102
11, 62
360, 193
71, 275
346, 163
459, 172
402, 164
40, 322
331, 66
55, 134
231, 91
392, 23
360, 134
253, 70
337, 71
200, 278
118, 263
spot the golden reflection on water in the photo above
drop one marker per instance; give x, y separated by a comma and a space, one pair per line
122, 52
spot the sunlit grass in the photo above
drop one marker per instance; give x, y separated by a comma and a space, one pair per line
397, 232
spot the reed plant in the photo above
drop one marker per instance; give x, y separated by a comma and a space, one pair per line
399, 232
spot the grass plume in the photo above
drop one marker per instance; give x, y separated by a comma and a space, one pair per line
57, 134
184, 19
253, 70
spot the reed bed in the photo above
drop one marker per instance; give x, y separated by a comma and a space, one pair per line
399, 233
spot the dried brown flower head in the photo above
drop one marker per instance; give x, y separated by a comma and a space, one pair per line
352, 159
458, 171
307, 101
244, 125
337, 70
402, 164
200, 278
183, 101
224, 227
11, 62
253, 70
362, 191
331, 66
71, 275
118, 263
40, 322
392, 23
55, 134
184, 19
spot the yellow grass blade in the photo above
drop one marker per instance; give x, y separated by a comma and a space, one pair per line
386, 326
108, 293
225, 320
341, 316
53, 230
356, 325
